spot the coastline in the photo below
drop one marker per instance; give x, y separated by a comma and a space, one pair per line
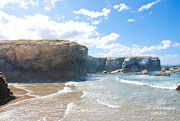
50, 101
20, 94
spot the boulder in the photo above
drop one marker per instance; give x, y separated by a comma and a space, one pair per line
5, 94
176, 71
163, 74
178, 88
117, 71
144, 72
104, 72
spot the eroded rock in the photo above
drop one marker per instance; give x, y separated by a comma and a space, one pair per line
42, 60
5, 94
163, 74
178, 88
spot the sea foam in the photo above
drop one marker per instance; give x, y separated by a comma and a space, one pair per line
109, 105
162, 85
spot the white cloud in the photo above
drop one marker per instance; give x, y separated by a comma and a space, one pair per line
170, 59
77, 17
131, 20
176, 44
41, 27
60, 17
99, 42
46, 8
96, 22
117, 49
21, 3
50, 4
121, 7
149, 5
92, 14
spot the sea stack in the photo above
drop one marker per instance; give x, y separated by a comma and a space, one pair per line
5, 94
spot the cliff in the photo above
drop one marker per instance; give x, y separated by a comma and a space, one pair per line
42, 60
127, 64
59, 60
5, 94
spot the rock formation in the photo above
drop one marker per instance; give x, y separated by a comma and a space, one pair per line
58, 60
5, 94
163, 74
42, 60
137, 64
127, 64
178, 88
176, 71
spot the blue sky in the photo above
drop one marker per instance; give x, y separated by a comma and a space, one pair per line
109, 28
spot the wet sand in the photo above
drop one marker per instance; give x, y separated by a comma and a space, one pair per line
43, 101
20, 95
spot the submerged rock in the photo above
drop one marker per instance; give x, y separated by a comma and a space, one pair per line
5, 94
42, 60
163, 74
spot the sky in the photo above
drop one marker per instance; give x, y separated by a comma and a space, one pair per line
109, 28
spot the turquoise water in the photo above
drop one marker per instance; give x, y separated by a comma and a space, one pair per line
141, 90
142, 97
101, 97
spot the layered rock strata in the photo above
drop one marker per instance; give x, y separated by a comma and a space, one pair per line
5, 94
42, 60
127, 64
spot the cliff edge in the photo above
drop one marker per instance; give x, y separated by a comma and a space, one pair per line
42, 60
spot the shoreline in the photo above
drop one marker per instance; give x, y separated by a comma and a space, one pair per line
20, 94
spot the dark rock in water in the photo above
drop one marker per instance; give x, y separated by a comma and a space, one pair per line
178, 88
104, 72
42, 60
5, 94
163, 74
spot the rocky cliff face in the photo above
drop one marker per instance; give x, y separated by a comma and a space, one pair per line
56, 60
103, 64
127, 64
5, 94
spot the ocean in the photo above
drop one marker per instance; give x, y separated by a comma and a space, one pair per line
100, 97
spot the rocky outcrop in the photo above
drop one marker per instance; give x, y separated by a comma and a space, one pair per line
144, 72
178, 88
103, 64
117, 71
42, 60
127, 64
163, 74
137, 64
176, 71
5, 94
58, 60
